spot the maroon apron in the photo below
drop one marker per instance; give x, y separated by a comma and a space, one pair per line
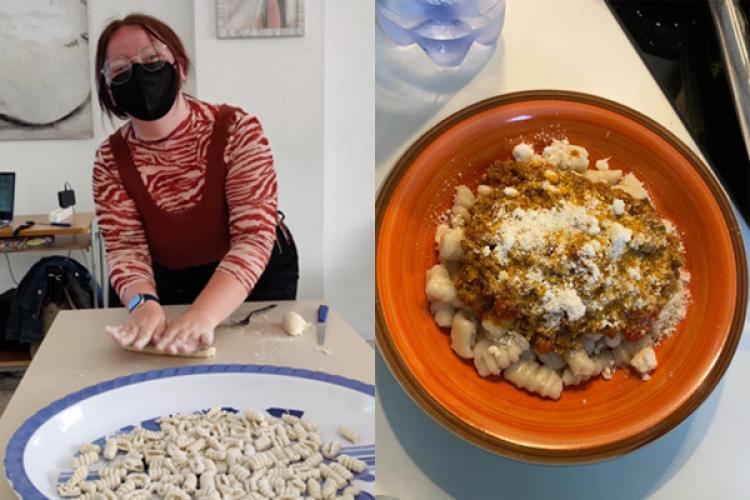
192, 237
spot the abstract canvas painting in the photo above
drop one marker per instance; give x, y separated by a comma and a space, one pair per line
45, 84
259, 18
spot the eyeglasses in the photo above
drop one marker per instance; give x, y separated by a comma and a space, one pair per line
118, 69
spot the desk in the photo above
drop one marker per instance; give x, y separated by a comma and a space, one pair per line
81, 235
79, 232
77, 353
569, 45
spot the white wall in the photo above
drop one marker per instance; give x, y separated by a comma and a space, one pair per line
291, 84
349, 161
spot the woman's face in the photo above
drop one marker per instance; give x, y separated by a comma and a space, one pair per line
133, 43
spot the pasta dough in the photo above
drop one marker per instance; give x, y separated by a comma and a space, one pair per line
206, 352
294, 324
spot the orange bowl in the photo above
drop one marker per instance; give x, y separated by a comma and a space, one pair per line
600, 419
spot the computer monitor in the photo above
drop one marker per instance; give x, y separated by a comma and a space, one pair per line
7, 196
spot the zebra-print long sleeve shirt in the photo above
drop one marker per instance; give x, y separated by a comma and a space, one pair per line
173, 171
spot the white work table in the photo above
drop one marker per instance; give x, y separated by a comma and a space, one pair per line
569, 45
77, 353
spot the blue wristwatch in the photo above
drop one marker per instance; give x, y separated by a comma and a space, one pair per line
139, 299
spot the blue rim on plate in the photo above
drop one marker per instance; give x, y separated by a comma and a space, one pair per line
15, 471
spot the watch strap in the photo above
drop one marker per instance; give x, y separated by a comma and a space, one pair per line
140, 299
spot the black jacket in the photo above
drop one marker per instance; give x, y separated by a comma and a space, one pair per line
48, 278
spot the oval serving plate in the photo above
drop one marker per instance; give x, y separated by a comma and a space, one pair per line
43, 447
601, 419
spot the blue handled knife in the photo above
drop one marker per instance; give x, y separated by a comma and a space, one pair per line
322, 317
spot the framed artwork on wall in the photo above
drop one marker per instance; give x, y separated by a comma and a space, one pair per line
45, 88
260, 18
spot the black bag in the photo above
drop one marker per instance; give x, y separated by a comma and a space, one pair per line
6, 301
63, 293
52, 284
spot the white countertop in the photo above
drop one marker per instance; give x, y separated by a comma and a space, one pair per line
571, 45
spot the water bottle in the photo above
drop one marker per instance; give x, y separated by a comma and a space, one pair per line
425, 52
445, 29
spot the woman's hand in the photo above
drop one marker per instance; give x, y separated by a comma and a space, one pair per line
186, 333
146, 324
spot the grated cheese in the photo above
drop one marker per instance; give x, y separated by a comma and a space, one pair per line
560, 301
523, 152
565, 156
619, 236
618, 206
602, 164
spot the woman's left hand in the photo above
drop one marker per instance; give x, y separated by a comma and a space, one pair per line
187, 332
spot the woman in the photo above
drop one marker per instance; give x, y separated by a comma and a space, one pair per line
185, 195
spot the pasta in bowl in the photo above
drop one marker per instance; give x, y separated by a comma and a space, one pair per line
528, 267
241, 431
597, 418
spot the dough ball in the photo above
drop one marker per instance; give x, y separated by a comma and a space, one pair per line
294, 324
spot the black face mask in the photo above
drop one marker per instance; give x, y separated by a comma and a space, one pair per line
147, 95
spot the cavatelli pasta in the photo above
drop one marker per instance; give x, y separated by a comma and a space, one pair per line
106, 495
262, 443
67, 490
314, 489
484, 361
265, 489
138, 495
349, 434
439, 286
90, 447
86, 458
534, 377
352, 463
308, 473
340, 470
189, 482
240, 472
624, 352
463, 197
580, 364
314, 460
492, 354
443, 313
216, 457
329, 489
126, 488
327, 472
331, 449
110, 449
600, 363
463, 335
552, 360
79, 474
644, 361
353, 489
